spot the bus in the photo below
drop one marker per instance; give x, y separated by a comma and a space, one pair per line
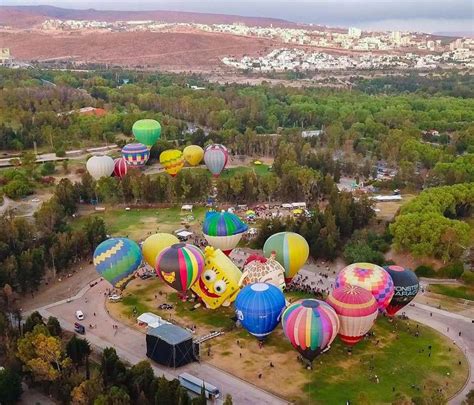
195, 385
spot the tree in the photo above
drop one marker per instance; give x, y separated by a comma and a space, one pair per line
112, 369
79, 351
86, 392
114, 396
66, 195
34, 319
141, 379
54, 326
10, 387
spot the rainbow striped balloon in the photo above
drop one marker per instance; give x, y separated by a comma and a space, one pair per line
310, 325
371, 277
136, 154
357, 311
291, 251
180, 265
223, 230
116, 259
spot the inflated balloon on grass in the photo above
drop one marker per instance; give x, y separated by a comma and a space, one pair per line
172, 161
120, 167
406, 286
155, 244
215, 158
100, 166
223, 230
193, 154
136, 154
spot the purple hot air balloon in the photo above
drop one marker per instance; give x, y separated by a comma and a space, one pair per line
215, 158
136, 154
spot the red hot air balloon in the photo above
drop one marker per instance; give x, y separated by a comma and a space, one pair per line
357, 310
120, 167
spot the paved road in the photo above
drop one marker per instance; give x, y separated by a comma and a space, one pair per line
130, 345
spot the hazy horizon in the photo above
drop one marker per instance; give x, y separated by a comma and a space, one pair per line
427, 16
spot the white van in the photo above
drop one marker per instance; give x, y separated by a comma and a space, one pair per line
79, 315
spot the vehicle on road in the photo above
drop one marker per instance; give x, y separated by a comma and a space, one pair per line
115, 298
195, 385
78, 328
79, 315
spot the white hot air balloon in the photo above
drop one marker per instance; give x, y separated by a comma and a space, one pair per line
100, 166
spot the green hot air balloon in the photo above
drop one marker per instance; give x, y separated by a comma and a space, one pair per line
147, 131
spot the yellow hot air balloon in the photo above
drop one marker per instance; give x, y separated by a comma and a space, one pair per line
172, 160
155, 244
193, 154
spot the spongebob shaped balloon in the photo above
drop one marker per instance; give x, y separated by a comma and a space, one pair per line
219, 282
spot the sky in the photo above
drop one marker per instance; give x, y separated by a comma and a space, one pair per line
422, 15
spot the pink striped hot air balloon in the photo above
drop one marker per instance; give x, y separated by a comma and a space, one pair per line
120, 167
215, 158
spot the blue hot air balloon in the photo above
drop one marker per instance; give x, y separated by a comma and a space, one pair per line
258, 307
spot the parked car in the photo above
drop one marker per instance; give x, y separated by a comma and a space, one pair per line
79, 328
115, 298
79, 315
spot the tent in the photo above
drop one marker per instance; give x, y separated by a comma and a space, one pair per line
170, 345
187, 207
150, 320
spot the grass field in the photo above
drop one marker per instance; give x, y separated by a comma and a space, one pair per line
260, 170
454, 291
399, 359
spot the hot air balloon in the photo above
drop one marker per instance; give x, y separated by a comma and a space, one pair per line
310, 325
371, 277
100, 166
180, 265
357, 311
215, 158
193, 154
406, 287
291, 250
155, 244
223, 230
172, 161
258, 308
136, 154
120, 167
147, 131
259, 269
116, 259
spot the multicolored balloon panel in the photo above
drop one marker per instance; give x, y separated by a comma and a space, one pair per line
147, 131
223, 230
406, 286
172, 161
291, 250
215, 158
193, 154
310, 325
120, 167
136, 154
258, 307
116, 259
100, 166
262, 270
357, 311
371, 277
155, 244
180, 265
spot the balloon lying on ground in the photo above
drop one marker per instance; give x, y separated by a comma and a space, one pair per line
215, 158
136, 154
180, 266
219, 282
223, 230
193, 154
258, 308
291, 250
357, 310
116, 259
406, 286
310, 325
100, 166
147, 131
172, 161
259, 269
120, 167
371, 277
155, 244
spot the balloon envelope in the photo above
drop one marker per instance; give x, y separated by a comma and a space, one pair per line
310, 325
172, 161
371, 277
180, 265
120, 167
155, 244
406, 286
136, 154
116, 259
147, 131
357, 311
215, 158
291, 250
193, 154
223, 230
258, 308
258, 269
100, 166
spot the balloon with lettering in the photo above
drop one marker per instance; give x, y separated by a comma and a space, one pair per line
147, 131
406, 286
100, 166
371, 277
172, 161
193, 154
311, 326
155, 244
136, 154
223, 230
215, 158
120, 167
357, 310
116, 259
258, 308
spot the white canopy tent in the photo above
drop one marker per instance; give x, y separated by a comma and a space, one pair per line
187, 207
150, 320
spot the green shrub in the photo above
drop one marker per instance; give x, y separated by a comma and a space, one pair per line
425, 271
60, 152
453, 270
468, 277
48, 168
